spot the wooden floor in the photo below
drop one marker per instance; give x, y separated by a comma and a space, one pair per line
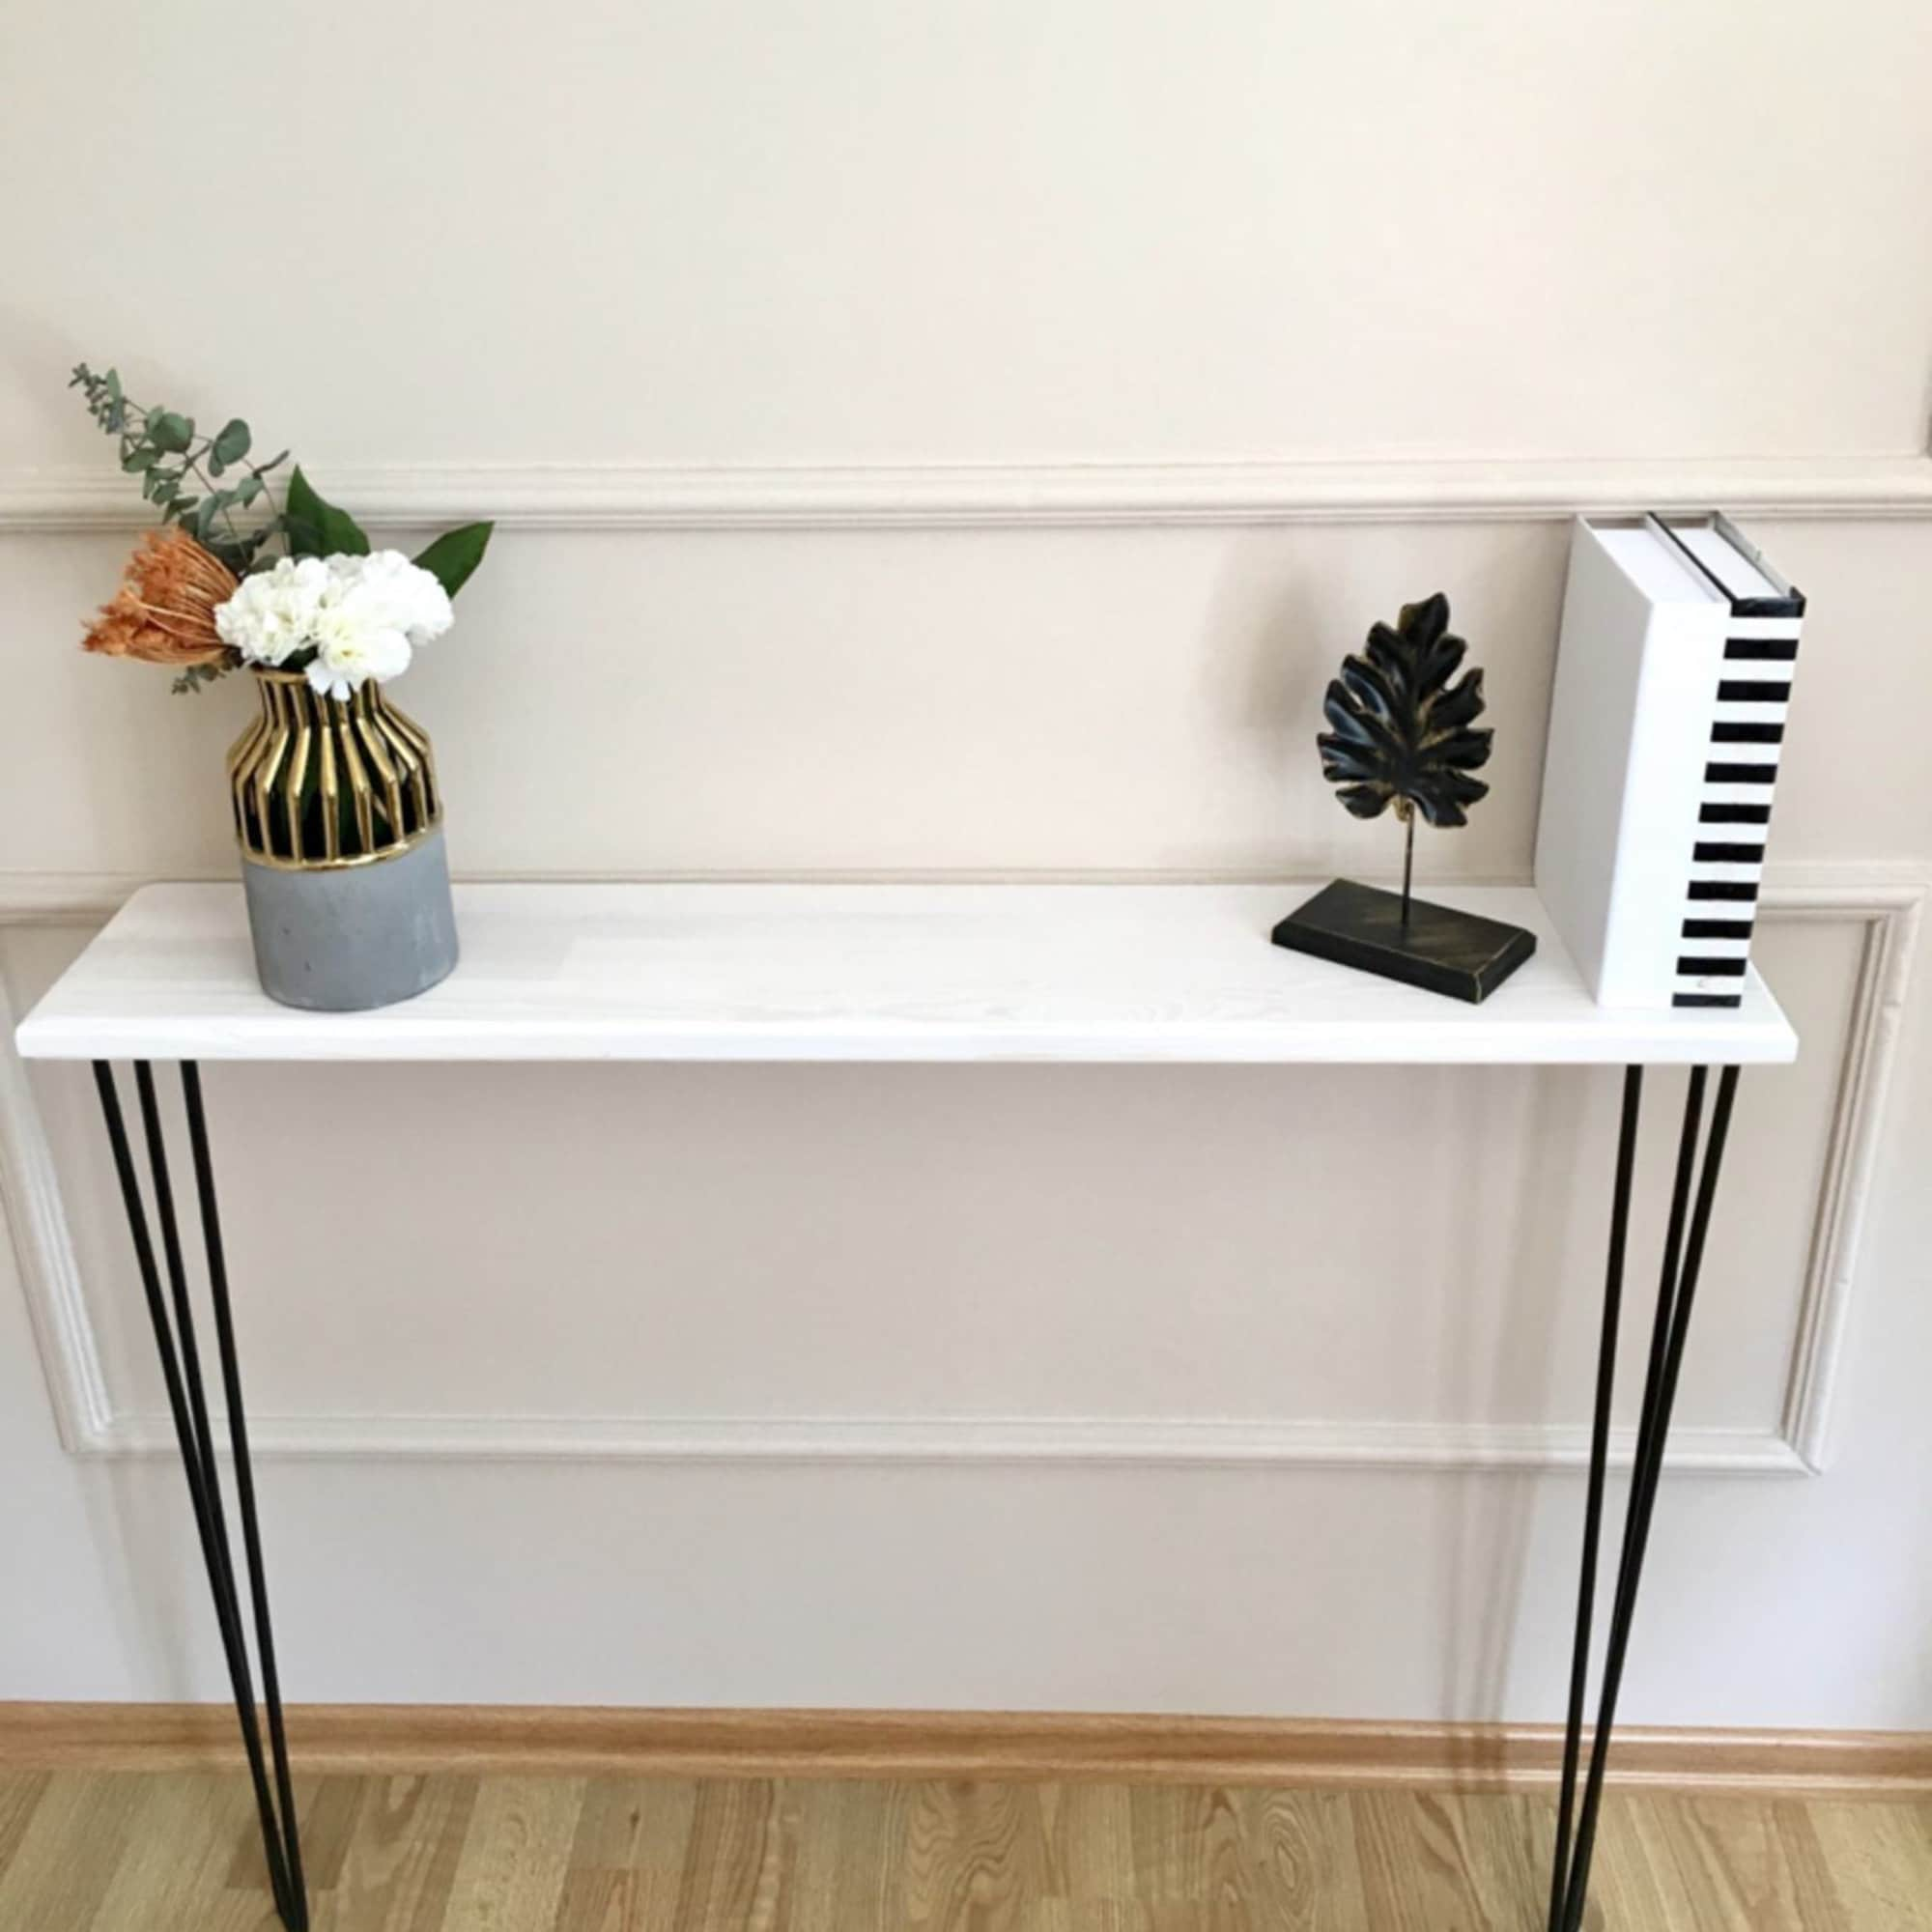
129, 1852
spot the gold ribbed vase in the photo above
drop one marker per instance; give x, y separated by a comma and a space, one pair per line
339, 817
324, 782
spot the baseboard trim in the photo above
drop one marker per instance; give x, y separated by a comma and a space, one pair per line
571, 1740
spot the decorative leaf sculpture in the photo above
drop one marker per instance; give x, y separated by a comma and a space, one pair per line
1402, 732
1398, 731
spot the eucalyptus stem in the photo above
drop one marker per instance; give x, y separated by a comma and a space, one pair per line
207, 482
160, 446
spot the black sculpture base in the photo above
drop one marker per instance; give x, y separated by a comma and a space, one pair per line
1447, 952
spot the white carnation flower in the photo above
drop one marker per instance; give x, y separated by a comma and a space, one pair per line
356, 637
350, 651
361, 615
410, 598
272, 613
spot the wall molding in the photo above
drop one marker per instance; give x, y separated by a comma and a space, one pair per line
1884, 899
938, 495
36, 1216
393, 1739
1888, 903
1122, 1441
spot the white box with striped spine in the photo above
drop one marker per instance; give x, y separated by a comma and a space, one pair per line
1673, 676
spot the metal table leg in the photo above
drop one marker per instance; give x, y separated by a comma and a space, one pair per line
181, 1369
1693, 1194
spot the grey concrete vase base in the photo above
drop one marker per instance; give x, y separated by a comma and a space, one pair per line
344, 938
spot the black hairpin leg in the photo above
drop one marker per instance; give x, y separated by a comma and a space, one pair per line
1693, 1193
181, 1370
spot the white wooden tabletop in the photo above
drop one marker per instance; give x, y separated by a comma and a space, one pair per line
862, 972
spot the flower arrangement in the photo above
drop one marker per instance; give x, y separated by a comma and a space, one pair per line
236, 576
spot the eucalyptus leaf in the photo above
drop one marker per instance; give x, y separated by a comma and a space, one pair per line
195, 676
231, 442
170, 431
455, 554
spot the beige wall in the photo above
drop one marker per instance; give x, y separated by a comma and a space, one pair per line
941, 440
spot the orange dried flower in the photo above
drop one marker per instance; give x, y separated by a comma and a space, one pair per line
164, 611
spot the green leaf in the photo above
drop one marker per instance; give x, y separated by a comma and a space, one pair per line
273, 463
455, 554
248, 489
205, 515
170, 431
139, 460
231, 444
196, 676
318, 528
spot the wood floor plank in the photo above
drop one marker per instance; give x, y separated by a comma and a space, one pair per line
106, 1852
741, 1859
70, 1850
329, 1809
400, 1865
175, 1868
1880, 1860
1301, 1844
965, 1852
1179, 1837
326, 1809
1085, 1844
1814, 1886
1096, 1915
1730, 1864
1506, 1848
597, 1899
18, 1796
635, 1823
844, 1867
1627, 1886
515, 1856
1421, 1864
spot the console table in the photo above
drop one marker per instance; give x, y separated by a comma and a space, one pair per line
1154, 974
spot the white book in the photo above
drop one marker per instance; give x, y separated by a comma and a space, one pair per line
1673, 675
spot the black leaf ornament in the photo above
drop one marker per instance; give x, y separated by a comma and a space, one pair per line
1403, 732
1399, 730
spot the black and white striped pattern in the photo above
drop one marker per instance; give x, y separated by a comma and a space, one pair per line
1734, 811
